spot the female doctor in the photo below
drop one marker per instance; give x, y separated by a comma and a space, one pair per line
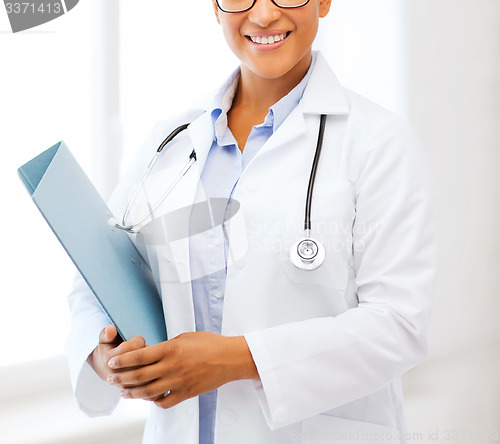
262, 350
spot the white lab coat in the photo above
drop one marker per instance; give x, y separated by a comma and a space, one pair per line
330, 345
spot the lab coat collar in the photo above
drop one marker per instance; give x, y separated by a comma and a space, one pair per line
324, 94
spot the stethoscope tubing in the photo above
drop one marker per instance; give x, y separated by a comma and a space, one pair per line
312, 178
307, 263
135, 227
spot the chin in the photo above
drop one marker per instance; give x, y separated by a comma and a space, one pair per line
268, 73
272, 68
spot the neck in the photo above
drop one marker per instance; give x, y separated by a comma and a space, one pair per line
260, 93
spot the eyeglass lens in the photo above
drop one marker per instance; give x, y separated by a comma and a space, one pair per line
245, 5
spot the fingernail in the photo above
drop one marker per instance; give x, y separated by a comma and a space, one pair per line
124, 394
110, 379
112, 363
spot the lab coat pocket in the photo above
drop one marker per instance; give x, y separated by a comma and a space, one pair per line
329, 429
333, 274
332, 216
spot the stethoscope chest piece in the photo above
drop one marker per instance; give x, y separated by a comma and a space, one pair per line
307, 254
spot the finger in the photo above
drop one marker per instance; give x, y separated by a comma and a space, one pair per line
133, 378
135, 343
155, 389
136, 358
108, 335
173, 398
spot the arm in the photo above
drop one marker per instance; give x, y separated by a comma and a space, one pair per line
93, 395
332, 361
92, 342
186, 366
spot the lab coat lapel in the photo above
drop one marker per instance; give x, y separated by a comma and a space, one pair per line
323, 95
201, 136
201, 132
290, 130
176, 277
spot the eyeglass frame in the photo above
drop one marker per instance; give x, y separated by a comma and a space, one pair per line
255, 1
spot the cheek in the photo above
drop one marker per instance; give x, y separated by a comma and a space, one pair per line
231, 31
309, 26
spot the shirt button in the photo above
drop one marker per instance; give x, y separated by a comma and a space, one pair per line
218, 293
228, 417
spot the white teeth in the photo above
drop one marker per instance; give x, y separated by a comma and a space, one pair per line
268, 40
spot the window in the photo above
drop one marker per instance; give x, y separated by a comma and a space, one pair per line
45, 92
172, 54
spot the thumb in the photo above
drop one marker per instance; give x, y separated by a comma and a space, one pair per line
108, 334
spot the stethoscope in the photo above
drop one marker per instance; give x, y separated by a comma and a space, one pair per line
306, 254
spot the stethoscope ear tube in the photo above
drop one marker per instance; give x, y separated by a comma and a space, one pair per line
172, 136
308, 253
136, 226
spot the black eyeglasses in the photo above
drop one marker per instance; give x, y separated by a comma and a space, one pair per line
232, 6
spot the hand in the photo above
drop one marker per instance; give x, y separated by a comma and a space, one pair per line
183, 367
110, 345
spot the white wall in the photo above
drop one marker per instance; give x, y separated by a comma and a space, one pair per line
437, 63
364, 43
454, 104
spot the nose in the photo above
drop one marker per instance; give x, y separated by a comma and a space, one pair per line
264, 12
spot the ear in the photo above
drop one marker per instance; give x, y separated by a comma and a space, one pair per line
216, 10
324, 7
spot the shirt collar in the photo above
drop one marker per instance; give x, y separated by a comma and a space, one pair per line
277, 113
223, 101
281, 109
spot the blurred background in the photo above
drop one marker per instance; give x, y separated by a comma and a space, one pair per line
100, 77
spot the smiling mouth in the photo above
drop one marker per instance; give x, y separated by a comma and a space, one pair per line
269, 39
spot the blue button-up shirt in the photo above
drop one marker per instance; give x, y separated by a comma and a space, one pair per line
208, 252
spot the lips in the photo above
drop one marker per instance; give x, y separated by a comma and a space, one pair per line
268, 38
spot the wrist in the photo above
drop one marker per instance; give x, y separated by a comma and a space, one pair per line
90, 358
241, 359
93, 361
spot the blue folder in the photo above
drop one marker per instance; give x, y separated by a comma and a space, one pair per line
107, 259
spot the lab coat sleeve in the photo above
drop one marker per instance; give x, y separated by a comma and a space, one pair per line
94, 396
313, 366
